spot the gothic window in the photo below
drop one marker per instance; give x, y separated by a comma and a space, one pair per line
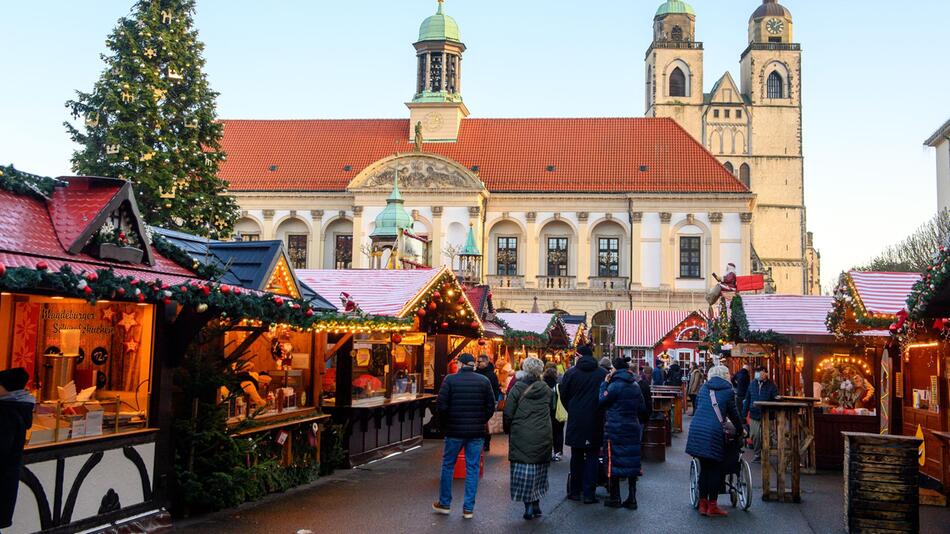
507, 256
343, 253
776, 86
728, 113
745, 175
715, 113
729, 167
435, 72
677, 82
677, 33
557, 256
297, 249
608, 257
690, 257
738, 113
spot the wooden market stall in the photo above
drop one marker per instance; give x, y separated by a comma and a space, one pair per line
538, 335
646, 335
789, 333
379, 384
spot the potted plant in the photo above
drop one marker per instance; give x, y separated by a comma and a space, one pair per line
113, 243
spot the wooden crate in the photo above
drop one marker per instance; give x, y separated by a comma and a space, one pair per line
880, 483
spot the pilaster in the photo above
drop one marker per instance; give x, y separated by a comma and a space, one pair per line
746, 266
533, 252
636, 257
666, 252
267, 231
359, 260
316, 240
715, 252
437, 237
583, 250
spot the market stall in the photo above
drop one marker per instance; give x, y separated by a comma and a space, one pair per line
537, 335
378, 383
639, 334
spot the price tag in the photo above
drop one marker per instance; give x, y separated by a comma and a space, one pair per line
282, 437
94, 423
78, 428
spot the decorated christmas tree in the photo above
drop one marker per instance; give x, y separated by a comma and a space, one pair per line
150, 119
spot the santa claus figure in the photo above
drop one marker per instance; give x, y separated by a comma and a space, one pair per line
728, 282
349, 305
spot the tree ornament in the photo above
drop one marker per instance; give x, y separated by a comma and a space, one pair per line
150, 53
474, 324
205, 290
120, 291
277, 300
92, 276
201, 307
433, 306
421, 312
3, 269
41, 266
225, 289
436, 295
82, 284
309, 312
396, 338
482, 342
445, 325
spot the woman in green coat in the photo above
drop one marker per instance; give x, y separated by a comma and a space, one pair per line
527, 418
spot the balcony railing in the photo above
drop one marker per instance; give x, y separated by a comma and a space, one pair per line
774, 47
506, 282
557, 282
609, 282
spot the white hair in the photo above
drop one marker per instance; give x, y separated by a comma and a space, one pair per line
519, 374
720, 371
532, 367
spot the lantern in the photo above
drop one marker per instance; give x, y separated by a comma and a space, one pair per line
445, 325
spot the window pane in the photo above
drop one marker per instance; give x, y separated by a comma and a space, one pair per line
608, 257
507, 256
690, 257
297, 249
677, 83
776, 86
343, 255
557, 256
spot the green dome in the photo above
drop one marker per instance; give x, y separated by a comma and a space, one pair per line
393, 219
440, 27
674, 6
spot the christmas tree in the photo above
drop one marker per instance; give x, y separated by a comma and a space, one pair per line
150, 119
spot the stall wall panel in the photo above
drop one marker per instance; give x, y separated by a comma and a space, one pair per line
26, 516
114, 472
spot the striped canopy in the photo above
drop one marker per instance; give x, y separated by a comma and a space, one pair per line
535, 323
377, 292
883, 293
645, 328
802, 315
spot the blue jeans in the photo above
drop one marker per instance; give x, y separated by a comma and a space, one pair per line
473, 452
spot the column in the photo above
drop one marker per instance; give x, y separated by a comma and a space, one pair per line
636, 256
316, 240
746, 266
359, 260
583, 250
667, 242
436, 238
267, 232
532, 252
715, 253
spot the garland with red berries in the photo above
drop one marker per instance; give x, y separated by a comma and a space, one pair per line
932, 281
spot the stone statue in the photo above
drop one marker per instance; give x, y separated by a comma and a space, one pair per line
418, 137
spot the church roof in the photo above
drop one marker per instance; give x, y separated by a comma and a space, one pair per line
600, 155
674, 6
440, 27
770, 8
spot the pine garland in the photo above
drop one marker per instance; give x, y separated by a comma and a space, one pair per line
733, 326
26, 184
847, 318
932, 282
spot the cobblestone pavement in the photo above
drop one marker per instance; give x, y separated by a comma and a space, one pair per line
395, 496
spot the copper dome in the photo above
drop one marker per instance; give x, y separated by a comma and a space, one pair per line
770, 8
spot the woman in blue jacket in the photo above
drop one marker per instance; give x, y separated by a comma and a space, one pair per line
622, 399
707, 440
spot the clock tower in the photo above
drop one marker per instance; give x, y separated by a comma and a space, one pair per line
674, 67
437, 109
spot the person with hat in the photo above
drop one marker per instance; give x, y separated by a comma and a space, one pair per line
466, 402
579, 389
16, 417
623, 401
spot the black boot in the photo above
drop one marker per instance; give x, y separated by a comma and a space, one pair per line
536, 509
613, 486
528, 511
631, 501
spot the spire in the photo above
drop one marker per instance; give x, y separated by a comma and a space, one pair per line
471, 248
441, 3
395, 196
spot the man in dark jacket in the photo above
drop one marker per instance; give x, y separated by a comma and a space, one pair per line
466, 403
486, 369
659, 375
16, 416
580, 389
674, 377
761, 389
740, 383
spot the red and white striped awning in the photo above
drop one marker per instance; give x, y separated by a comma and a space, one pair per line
377, 292
802, 315
645, 328
883, 293
535, 323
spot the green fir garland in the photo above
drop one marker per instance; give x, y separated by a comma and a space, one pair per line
932, 282
26, 184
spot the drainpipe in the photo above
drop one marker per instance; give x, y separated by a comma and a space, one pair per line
630, 264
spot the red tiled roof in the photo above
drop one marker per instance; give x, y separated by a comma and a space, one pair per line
513, 155
74, 208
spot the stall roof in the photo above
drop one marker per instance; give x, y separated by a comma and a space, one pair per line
802, 315
883, 293
645, 328
537, 323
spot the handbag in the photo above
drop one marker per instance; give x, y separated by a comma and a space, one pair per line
728, 429
560, 412
507, 424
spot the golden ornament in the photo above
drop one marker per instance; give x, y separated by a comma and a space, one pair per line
150, 53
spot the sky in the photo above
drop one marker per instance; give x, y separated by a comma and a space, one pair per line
876, 81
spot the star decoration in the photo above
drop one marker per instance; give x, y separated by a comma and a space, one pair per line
131, 345
147, 156
128, 321
159, 94
108, 314
150, 53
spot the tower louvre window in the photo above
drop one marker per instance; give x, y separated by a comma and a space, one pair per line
776, 86
435, 72
421, 77
677, 33
677, 82
451, 68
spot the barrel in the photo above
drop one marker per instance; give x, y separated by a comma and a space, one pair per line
654, 441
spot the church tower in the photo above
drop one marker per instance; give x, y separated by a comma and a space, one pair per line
437, 109
674, 66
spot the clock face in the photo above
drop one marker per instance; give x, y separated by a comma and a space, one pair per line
433, 121
775, 26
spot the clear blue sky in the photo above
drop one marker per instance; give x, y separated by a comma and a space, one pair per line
876, 80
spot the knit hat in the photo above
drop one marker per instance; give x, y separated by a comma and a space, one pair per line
14, 379
621, 363
467, 359
585, 350
605, 363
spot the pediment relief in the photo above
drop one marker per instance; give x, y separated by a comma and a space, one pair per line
417, 172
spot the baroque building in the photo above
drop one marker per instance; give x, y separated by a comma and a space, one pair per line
576, 215
754, 127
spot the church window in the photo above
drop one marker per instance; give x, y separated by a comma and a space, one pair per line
690, 257
729, 167
557, 256
507, 256
776, 86
608, 257
728, 113
745, 175
343, 254
677, 33
715, 113
738, 113
677, 82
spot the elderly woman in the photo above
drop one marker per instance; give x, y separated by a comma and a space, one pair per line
527, 418
715, 403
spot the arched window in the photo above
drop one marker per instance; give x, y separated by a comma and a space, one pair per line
603, 325
745, 175
776, 85
678, 82
729, 167
677, 33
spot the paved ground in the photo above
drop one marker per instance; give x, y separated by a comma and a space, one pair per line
394, 496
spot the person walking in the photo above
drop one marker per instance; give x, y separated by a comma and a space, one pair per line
557, 427
485, 368
466, 402
707, 440
659, 376
580, 389
695, 381
646, 374
674, 377
16, 417
622, 399
761, 389
740, 383
527, 418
